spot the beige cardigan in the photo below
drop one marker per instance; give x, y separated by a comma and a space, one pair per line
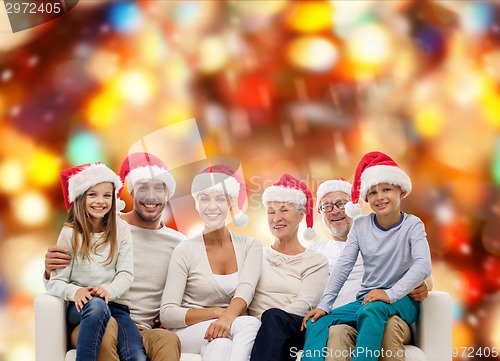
190, 283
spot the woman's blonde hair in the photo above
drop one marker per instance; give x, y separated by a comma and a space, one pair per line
79, 220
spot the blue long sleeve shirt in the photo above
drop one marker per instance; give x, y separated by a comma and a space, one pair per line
396, 259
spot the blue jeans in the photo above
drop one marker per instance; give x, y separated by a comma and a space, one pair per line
369, 319
279, 337
93, 320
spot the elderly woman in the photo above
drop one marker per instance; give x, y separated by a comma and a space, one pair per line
211, 278
293, 277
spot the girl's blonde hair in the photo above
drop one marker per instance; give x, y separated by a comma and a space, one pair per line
79, 220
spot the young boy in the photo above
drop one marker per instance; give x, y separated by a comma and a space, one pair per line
396, 259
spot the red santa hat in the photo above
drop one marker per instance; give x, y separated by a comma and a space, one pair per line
223, 178
334, 185
146, 166
291, 190
77, 180
375, 168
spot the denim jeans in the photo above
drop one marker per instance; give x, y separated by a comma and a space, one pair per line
279, 337
93, 320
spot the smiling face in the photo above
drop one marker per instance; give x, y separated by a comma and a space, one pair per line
283, 219
385, 199
98, 201
213, 207
336, 221
150, 197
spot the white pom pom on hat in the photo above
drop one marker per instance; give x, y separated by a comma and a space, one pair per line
291, 190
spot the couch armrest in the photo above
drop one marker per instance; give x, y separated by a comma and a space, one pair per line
434, 327
50, 328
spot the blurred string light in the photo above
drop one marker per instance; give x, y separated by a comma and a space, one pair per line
429, 121
347, 14
103, 110
173, 113
495, 165
151, 45
212, 55
125, 16
136, 86
187, 12
31, 208
255, 15
368, 49
476, 17
102, 64
309, 16
312, 53
12, 176
43, 168
462, 335
84, 147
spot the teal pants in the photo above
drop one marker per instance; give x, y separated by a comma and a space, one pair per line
369, 319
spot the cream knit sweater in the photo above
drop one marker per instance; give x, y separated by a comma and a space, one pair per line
190, 283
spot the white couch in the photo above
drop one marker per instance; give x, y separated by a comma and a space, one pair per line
433, 339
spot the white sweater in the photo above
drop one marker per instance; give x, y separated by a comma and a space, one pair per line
291, 283
332, 250
190, 283
152, 252
115, 277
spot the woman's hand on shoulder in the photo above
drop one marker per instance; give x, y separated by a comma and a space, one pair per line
313, 315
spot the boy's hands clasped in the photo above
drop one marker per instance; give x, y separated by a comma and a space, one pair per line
83, 295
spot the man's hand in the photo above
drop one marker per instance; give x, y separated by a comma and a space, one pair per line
419, 293
57, 257
376, 295
314, 314
82, 296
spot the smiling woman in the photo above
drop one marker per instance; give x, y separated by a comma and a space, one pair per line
212, 277
292, 276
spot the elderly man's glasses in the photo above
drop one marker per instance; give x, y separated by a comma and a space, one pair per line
327, 207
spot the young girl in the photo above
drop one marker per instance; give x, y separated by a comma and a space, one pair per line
101, 270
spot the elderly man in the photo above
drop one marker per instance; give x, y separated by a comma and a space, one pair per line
331, 198
151, 186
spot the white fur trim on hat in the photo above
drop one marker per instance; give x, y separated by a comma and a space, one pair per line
151, 172
383, 174
329, 186
88, 177
284, 194
215, 182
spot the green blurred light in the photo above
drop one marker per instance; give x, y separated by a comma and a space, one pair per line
495, 167
84, 148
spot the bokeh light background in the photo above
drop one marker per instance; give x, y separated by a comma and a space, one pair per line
305, 87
